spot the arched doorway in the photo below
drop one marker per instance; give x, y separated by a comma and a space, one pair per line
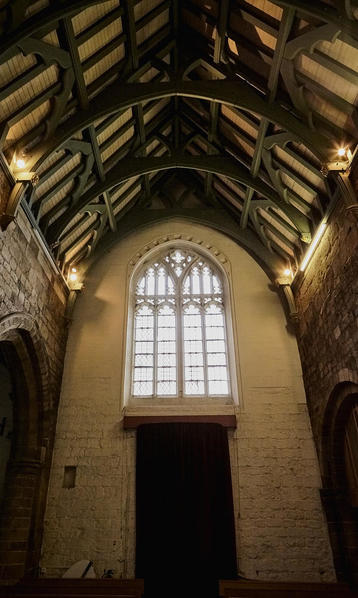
339, 494
22, 475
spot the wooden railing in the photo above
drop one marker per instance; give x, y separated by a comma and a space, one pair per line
126, 588
263, 589
75, 588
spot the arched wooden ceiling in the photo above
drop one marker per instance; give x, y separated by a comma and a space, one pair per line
125, 112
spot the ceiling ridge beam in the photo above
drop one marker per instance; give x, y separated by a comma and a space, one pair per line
221, 28
130, 27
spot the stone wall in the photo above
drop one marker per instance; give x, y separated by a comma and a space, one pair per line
327, 303
280, 527
29, 285
33, 332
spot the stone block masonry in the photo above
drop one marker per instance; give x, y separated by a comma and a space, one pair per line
33, 300
280, 526
29, 285
327, 302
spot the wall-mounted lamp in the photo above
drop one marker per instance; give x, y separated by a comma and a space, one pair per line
341, 163
316, 239
73, 281
73, 275
20, 173
20, 163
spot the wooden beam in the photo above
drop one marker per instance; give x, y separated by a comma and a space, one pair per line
131, 422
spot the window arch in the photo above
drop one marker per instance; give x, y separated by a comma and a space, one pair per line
179, 330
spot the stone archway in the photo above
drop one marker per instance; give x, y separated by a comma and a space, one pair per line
342, 517
25, 482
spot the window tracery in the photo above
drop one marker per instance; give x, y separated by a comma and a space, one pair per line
180, 346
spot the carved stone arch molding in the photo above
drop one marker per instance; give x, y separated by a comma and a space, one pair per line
342, 517
210, 250
26, 479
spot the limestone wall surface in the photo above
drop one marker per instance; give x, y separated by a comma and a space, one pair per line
280, 528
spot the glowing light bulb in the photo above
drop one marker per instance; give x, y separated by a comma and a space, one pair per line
20, 163
73, 276
287, 272
73, 269
341, 152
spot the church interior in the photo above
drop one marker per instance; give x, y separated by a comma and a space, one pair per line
178, 298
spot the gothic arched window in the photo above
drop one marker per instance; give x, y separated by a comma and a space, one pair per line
180, 346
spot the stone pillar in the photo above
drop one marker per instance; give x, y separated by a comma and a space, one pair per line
342, 527
17, 515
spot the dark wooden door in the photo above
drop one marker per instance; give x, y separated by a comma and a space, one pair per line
185, 522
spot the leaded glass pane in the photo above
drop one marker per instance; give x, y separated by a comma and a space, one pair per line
193, 351
166, 359
216, 350
141, 286
142, 389
166, 347
144, 360
206, 280
218, 387
195, 281
194, 388
150, 282
166, 388
143, 351
179, 289
162, 279
171, 289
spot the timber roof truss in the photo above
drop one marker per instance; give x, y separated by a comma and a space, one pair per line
224, 112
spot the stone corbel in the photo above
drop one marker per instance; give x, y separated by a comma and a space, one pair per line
353, 209
8, 213
349, 195
74, 292
284, 283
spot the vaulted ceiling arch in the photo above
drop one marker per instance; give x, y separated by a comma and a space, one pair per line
132, 167
119, 97
211, 218
247, 99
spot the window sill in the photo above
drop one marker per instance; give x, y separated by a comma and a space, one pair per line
131, 422
180, 407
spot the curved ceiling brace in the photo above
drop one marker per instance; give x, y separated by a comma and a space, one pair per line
130, 167
54, 13
214, 218
67, 8
323, 12
119, 97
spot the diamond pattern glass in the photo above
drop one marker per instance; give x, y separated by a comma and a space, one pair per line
179, 318
166, 350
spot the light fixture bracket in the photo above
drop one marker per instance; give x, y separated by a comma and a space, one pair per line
27, 177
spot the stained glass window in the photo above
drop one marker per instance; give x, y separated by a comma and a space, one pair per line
180, 346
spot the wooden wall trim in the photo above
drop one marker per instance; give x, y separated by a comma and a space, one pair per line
131, 422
